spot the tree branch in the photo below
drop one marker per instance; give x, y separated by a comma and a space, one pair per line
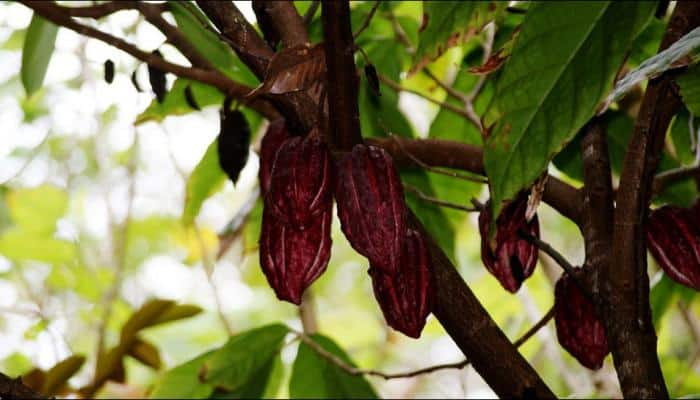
280, 21
59, 16
240, 34
450, 154
629, 327
102, 10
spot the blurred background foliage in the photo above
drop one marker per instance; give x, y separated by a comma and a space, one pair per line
115, 234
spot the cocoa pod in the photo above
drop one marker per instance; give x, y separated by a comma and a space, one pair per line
372, 79
511, 258
275, 135
157, 80
673, 238
302, 181
233, 142
292, 258
579, 329
189, 98
406, 296
371, 205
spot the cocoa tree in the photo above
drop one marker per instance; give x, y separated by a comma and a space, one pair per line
553, 103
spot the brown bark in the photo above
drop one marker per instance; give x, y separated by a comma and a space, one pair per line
280, 22
493, 356
629, 326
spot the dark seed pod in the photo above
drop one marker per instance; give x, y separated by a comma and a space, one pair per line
301, 186
233, 143
511, 259
291, 258
135, 82
371, 205
189, 97
109, 71
673, 238
157, 79
372, 79
406, 296
579, 329
275, 135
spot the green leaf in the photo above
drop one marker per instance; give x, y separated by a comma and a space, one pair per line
315, 377
243, 357
37, 209
449, 23
19, 245
689, 84
563, 62
205, 180
36, 54
182, 382
57, 377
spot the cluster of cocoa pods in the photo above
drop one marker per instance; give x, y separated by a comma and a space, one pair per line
512, 258
299, 180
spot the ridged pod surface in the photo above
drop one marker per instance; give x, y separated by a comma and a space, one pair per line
511, 259
579, 329
673, 238
371, 205
275, 135
292, 258
301, 184
405, 297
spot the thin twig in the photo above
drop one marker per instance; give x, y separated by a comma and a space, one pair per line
367, 20
476, 179
456, 94
399, 32
439, 202
309, 15
664, 179
338, 362
208, 267
394, 85
549, 250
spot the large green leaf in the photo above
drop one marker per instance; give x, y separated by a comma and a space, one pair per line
449, 23
315, 377
689, 83
36, 54
205, 180
243, 358
182, 382
563, 62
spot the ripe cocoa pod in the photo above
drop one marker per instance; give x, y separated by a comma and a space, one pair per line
292, 258
233, 143
275, 135
579, 329
673, 238
511, 259
406, 296
371, 205
302, 181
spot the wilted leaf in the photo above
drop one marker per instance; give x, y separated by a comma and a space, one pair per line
57, 377
145, 352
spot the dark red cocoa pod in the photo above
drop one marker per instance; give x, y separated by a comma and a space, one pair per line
579, 329
275, 135
292, 259
510, 258
371, 205
406, 296
301, 185
673, 238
